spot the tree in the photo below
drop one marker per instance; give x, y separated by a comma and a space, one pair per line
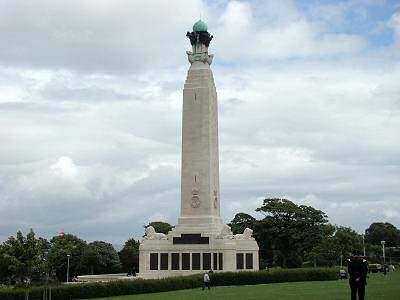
100, 258
161, 227
4, 266
334, 248
374, 253
288, 231
129, 256
61, 246
326, 253
241, 221
348, 240
22, 258
378, 232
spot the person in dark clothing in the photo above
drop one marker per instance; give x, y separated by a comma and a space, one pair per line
358, 270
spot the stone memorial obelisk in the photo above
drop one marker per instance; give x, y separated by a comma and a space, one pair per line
200, 241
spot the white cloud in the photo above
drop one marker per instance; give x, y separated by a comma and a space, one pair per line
395, 24
90, 114
116, 36
293, 37
64, 167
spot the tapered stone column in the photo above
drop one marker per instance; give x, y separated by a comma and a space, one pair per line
200, 205
200, 241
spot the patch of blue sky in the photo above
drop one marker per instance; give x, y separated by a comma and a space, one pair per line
367, 18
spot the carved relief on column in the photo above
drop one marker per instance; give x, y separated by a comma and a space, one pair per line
215, 199
195, 201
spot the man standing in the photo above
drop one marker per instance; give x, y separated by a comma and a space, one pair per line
206, 281
358, 270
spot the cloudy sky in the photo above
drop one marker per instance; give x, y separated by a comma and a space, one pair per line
91, 100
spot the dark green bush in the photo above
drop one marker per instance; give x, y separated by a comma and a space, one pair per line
140, 286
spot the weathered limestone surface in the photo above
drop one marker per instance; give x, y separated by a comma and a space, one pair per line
200, 205
200, 230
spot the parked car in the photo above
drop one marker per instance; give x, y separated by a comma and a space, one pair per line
374, 268
342, 274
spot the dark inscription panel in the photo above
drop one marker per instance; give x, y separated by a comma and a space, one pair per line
206, 261
153, 261
249, 260
239, 261
190, 239
195, 261
220, 261
175, 261
164, 261
215, 261
185, 261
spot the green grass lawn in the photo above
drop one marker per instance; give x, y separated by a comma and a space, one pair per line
379, 287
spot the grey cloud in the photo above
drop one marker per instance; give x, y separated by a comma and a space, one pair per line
230, 104
22, 107
88, 89
110, 195
85, 94
111, 37
129, 37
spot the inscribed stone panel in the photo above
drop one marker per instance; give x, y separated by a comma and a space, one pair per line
153, 261
195, 261
164, 261
185, 261
239, 261
249, 260
206, 261
175, 261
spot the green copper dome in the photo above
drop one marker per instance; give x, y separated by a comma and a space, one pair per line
199, 26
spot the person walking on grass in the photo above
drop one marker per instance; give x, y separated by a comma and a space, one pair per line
358, 270
206, 281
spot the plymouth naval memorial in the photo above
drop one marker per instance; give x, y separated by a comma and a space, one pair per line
200, 241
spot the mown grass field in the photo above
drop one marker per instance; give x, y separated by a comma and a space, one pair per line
379, 287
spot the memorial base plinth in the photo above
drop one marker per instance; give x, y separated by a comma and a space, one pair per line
191, 253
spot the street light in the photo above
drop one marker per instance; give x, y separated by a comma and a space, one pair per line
383, 251
363, 237
68, 256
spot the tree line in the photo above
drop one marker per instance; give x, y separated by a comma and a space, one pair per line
289, 235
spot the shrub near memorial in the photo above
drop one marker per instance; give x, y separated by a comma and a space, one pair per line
139, 286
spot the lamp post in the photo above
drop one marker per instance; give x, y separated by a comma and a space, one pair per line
383, 251
68, 256
363, 237
341, 260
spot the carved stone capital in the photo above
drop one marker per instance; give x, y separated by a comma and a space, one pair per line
203, 57
202, 37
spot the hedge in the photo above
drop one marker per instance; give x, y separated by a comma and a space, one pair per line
141, 286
